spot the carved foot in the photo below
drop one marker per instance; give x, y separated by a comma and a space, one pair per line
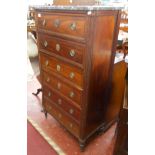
45, 114
38, 91
82, 145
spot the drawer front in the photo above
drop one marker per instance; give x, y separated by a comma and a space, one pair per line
66, 49
65, 105
70, 92
51, 64
72, 126
63, 24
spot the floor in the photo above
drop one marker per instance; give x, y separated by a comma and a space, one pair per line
62, 139
34, 147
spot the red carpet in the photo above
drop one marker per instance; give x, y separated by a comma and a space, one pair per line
100, 145
36, 145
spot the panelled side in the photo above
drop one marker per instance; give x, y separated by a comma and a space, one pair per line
103, 42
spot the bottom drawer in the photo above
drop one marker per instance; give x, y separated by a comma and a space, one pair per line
61, 117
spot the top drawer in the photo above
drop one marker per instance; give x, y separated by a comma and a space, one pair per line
67, 25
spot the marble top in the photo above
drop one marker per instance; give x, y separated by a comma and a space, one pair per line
80, 7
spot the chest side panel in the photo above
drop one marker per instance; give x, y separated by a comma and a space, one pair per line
104, 36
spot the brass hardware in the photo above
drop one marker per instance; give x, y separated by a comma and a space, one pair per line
48, 79
39, 15
57, 23
49, 93
59, 85
44, 22
72, 53
57, 47
46, 62
71, 75
58, 68
45, 43
73, 26
59, 115
89, 13
71, 94
59, 101
71, 125
71, 111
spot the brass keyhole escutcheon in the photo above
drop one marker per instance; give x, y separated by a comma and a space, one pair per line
71, 75
57, 47
72, 53
58, 68
46, 63
45, 43
73, 26
71, 111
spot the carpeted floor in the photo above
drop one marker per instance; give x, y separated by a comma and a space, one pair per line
55, 133
36, 145
57, 136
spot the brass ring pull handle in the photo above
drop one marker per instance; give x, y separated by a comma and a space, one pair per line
73, 26
57, 47
71, 94
57, 23
72, 53
71, 75
45, 43
44, 22
71, 111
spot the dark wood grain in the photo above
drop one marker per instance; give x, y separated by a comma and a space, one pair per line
99, 75
62, 117
94, 41
65, 69
65, 105
64, 26
69, 50
62, 87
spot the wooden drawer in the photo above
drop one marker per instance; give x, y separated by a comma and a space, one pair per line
67, 106
63, 24
69, 91
71, 125
66, 49
51, 64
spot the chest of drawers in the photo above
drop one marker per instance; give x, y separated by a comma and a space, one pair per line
76, 53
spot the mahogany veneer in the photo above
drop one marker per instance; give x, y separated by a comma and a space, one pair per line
76, 53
